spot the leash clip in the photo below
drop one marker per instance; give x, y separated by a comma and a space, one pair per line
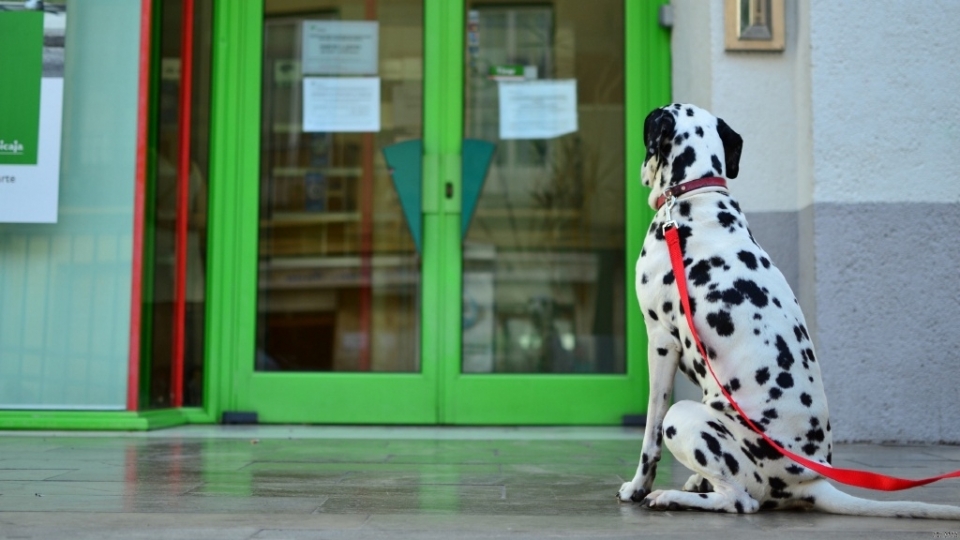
668, 205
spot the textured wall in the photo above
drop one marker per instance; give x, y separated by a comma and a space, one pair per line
886, 134
848, 179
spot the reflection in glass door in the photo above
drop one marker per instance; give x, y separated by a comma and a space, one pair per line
543, 259
339, 268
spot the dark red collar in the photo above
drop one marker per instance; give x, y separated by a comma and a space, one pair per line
686, 187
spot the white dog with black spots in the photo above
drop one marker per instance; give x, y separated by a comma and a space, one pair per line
755, 336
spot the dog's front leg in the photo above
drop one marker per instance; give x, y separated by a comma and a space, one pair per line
662, 358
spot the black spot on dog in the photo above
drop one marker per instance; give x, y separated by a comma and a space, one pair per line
699, 131
770, 413
683, 233
693, 306
668, 278
739, 507
757, 478
643, 279
806, 399
716, 164
769, 505
810, 449
685, 208
777, 303
670, 432
661, 351
700, 368
721, 430
703, 495
721, 322
762, 450
762, 375
749, 259
681, 163
734, 385
731, 297
726, 219
785, 380
653, 314
784, 356
701, 459
689, 111
765, 262
778, 488
775, 393
667, 307
798, 334
754, 293
732, 463
795, 469
700, 273
816, 433
712, 443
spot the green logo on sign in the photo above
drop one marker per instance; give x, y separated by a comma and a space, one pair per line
21, 66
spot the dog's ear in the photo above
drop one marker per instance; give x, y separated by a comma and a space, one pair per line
732, 145
658, 132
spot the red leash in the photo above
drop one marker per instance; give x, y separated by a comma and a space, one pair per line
851, 477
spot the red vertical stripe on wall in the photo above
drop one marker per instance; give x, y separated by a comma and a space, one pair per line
183, 203
139, 191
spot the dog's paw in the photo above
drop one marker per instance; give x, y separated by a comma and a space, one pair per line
660, 500
629, 493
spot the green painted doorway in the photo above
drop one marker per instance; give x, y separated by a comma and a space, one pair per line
425, 212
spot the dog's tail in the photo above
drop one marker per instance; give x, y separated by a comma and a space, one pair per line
827, 498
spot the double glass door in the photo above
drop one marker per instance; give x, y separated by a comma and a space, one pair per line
441, 210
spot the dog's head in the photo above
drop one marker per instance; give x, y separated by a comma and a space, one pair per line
685, 142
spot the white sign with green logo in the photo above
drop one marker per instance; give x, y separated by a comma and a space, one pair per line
31, 103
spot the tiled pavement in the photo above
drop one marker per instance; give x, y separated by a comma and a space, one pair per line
353, 482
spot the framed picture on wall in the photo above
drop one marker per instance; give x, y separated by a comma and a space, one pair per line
754, 25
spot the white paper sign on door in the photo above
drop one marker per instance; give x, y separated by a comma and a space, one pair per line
341, 104
537, 109
340, 47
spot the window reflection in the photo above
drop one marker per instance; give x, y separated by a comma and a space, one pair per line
544, 256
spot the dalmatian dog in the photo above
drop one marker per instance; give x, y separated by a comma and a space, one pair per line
755, 336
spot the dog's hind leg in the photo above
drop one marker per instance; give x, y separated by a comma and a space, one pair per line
663, 357
701, 439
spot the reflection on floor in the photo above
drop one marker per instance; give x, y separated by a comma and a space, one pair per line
346, 482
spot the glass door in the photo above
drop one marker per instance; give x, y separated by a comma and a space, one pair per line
334, 326
545, 268
421, 211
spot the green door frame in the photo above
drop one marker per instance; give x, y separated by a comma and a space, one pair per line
440, 393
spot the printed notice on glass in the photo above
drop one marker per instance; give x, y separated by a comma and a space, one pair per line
341, 104
340, 47
537, 109
31, 112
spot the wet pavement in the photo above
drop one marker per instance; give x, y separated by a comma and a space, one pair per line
355, 482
